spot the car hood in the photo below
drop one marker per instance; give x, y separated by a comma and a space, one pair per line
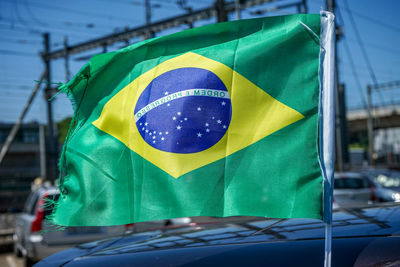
368, 222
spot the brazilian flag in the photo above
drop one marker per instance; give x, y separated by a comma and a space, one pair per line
220, 120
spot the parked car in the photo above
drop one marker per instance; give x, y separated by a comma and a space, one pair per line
35, 238
386, 184
361, 237
352, 189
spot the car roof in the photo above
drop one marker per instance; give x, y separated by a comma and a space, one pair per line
356, 175
49, 190
349, 224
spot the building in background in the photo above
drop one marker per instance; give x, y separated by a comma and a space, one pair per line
20, 166
387, 146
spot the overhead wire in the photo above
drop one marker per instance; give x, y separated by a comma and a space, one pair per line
373, 20
77, 29
363, 50
88, 26
20, 41
352, 65
17, 53
53, 31
360, 43
380, 47
32, 15
75, 11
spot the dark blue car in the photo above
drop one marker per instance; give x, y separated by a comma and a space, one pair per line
361, 237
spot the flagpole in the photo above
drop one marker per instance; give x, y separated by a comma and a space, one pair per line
327, 124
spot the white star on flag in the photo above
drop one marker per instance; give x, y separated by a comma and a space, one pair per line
199, 134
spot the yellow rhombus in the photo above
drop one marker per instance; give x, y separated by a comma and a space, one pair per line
255, 115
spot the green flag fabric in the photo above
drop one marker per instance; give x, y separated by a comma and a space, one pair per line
220, 120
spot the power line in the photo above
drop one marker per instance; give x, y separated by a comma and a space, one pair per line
345, 62
373, 20
32, 15
353, 68
350, 73
364, 52
75, 11
57, 28
17, 53
382, 48
88, 25
360, 43
20, 41
22, 87
54, 31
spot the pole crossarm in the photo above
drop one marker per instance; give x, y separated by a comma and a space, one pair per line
110, 39
387, 85
15, 128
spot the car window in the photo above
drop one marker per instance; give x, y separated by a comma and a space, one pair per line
28, 203
32, 204
350, 183
388, 180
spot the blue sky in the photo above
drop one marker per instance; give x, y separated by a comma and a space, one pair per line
23, 21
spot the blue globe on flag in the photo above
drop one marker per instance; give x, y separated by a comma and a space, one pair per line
185, 110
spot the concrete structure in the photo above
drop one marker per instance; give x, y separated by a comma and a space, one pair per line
386, 125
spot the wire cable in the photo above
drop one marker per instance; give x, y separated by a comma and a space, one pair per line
373, 20
75, 11
352, 65
363, 51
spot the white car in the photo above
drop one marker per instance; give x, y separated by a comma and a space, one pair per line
35, 238
352, 189
386, 184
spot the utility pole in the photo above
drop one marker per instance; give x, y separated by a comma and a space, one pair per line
66, 57
149, 34
340, 120
222, 15
183, 4
237, 8
17, 125
370, 126
42, 149
52, 145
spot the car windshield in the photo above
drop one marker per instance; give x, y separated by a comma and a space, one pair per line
391, 179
